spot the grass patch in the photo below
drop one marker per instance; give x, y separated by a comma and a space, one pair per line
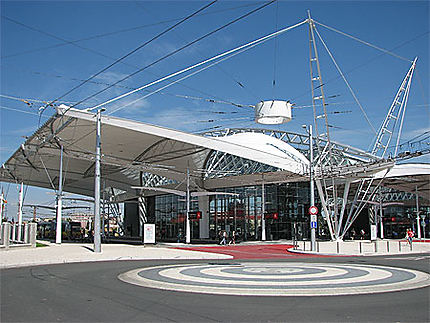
38, 244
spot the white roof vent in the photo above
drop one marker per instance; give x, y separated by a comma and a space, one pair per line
273, 112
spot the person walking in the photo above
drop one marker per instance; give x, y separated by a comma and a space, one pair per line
410, 236
233, 238
224, 238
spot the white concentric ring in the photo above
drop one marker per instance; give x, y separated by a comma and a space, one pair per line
290, 279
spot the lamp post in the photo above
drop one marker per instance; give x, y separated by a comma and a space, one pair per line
187, 223
418, 213
59, 227
263, 212
313, 218
20, 198
97, 175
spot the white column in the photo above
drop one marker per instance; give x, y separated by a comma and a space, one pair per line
26, 232
263, 211
188, 229
1, 208
59, 230
97, 175
312, 189
21, 191
418, 213
204, 221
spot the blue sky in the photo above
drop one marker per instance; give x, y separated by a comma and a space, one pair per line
40, 62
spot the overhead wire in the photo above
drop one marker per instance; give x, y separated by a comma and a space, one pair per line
42, 109
221, 57
180, 49
275, 50
363, 42
93, 51
232, 54
64, 43
346, 81
55, 37
222, 70
366, 62
133, 51
218, 100
18, 110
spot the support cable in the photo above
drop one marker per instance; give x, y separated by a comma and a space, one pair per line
275, 50
234, 53
252, 43
367, 62
345, 80
176, 51
133, 51
47, 173
72, 42
364, 42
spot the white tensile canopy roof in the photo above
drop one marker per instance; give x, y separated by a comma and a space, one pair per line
130, 147
413, 178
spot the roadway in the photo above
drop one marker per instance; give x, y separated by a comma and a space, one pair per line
92, 292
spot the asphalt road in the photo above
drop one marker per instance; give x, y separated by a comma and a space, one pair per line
91, 292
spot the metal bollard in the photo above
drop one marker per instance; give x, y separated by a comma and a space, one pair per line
388, 246
32, 233
400, 246
26, 228
376, 246
360, 247
337, 246
6, 235
13, 232
318, 246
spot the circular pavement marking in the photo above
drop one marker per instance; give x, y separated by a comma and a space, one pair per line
277, 279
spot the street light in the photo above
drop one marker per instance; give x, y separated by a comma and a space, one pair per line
311, 179
97, 175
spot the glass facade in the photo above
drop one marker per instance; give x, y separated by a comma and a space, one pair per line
170, 218
286, 213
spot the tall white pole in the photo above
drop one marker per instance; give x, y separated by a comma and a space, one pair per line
1, 208
418, 213
187, 229
97, 240
59, 200
263, 212
311, 179
21, 191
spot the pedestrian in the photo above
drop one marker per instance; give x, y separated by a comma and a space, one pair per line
362, 234
410, 236
224, 238
233, 238
353, 233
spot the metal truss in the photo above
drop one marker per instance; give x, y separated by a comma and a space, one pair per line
392, 195
348, 159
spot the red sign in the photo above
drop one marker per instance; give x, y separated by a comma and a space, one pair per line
313, 210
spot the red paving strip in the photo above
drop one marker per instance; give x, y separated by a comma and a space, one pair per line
271, 251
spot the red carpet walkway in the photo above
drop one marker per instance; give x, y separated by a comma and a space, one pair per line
269, 251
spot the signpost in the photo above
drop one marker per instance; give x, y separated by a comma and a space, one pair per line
313, 211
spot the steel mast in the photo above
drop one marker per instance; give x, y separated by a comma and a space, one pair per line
325, 160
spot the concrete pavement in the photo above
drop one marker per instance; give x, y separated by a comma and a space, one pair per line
363, 247
80, 252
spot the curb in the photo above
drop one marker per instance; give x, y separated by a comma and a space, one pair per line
371, 254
